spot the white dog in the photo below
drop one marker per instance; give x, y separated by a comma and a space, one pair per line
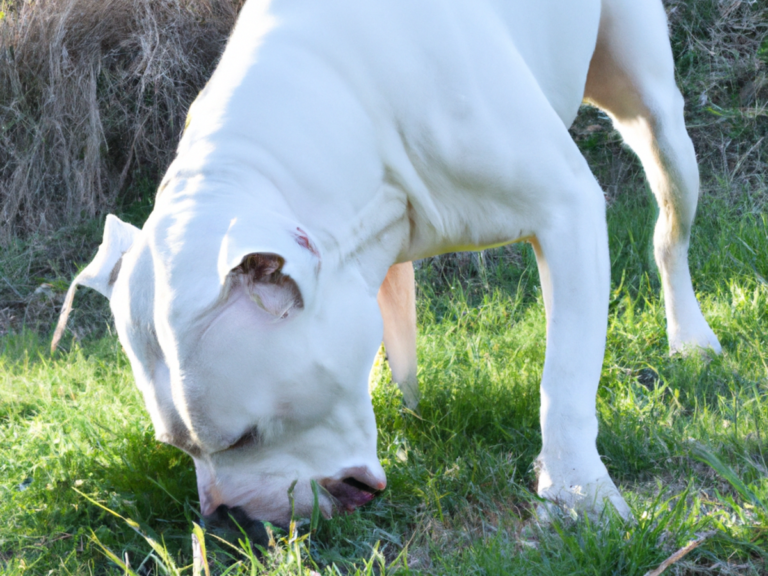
338, 141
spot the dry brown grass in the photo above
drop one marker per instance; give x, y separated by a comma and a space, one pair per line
721, 54
92, 93
722, 50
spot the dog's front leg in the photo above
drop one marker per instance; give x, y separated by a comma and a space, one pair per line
572, 255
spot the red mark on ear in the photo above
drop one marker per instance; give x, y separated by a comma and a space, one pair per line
304, 242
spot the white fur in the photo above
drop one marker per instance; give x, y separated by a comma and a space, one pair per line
388, 131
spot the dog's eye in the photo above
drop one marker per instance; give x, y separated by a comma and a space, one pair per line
250, 437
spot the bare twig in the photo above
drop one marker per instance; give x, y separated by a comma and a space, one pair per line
677, 556
745, 156
12, 287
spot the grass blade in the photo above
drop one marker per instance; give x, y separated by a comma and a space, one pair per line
703, 454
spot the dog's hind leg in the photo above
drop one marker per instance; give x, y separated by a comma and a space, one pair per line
397, 302
631, 77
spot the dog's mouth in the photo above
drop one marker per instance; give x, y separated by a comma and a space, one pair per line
350, 493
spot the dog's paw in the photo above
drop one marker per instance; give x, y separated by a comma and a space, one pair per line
576, 501
702, 341
575, 490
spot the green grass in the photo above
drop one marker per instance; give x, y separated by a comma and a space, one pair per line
85, 489
684, 438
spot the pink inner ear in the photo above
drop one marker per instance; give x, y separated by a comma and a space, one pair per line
304, 242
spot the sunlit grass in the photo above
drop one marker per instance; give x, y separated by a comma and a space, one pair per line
683, 437
85, 489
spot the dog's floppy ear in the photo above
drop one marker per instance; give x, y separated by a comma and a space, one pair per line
275, 263
102, 272
261, 275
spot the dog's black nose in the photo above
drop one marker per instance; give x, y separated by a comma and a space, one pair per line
233, 523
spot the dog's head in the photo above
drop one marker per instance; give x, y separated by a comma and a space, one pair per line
252, 354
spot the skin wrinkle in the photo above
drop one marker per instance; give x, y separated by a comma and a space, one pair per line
361, 235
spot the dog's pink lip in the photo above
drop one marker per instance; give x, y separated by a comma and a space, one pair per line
349, 494
355, 487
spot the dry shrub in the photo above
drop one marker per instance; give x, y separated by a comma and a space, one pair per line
721, 55
722, 61
92, 93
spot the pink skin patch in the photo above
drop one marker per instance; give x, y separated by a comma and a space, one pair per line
357, 487
303, 240
348, 496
